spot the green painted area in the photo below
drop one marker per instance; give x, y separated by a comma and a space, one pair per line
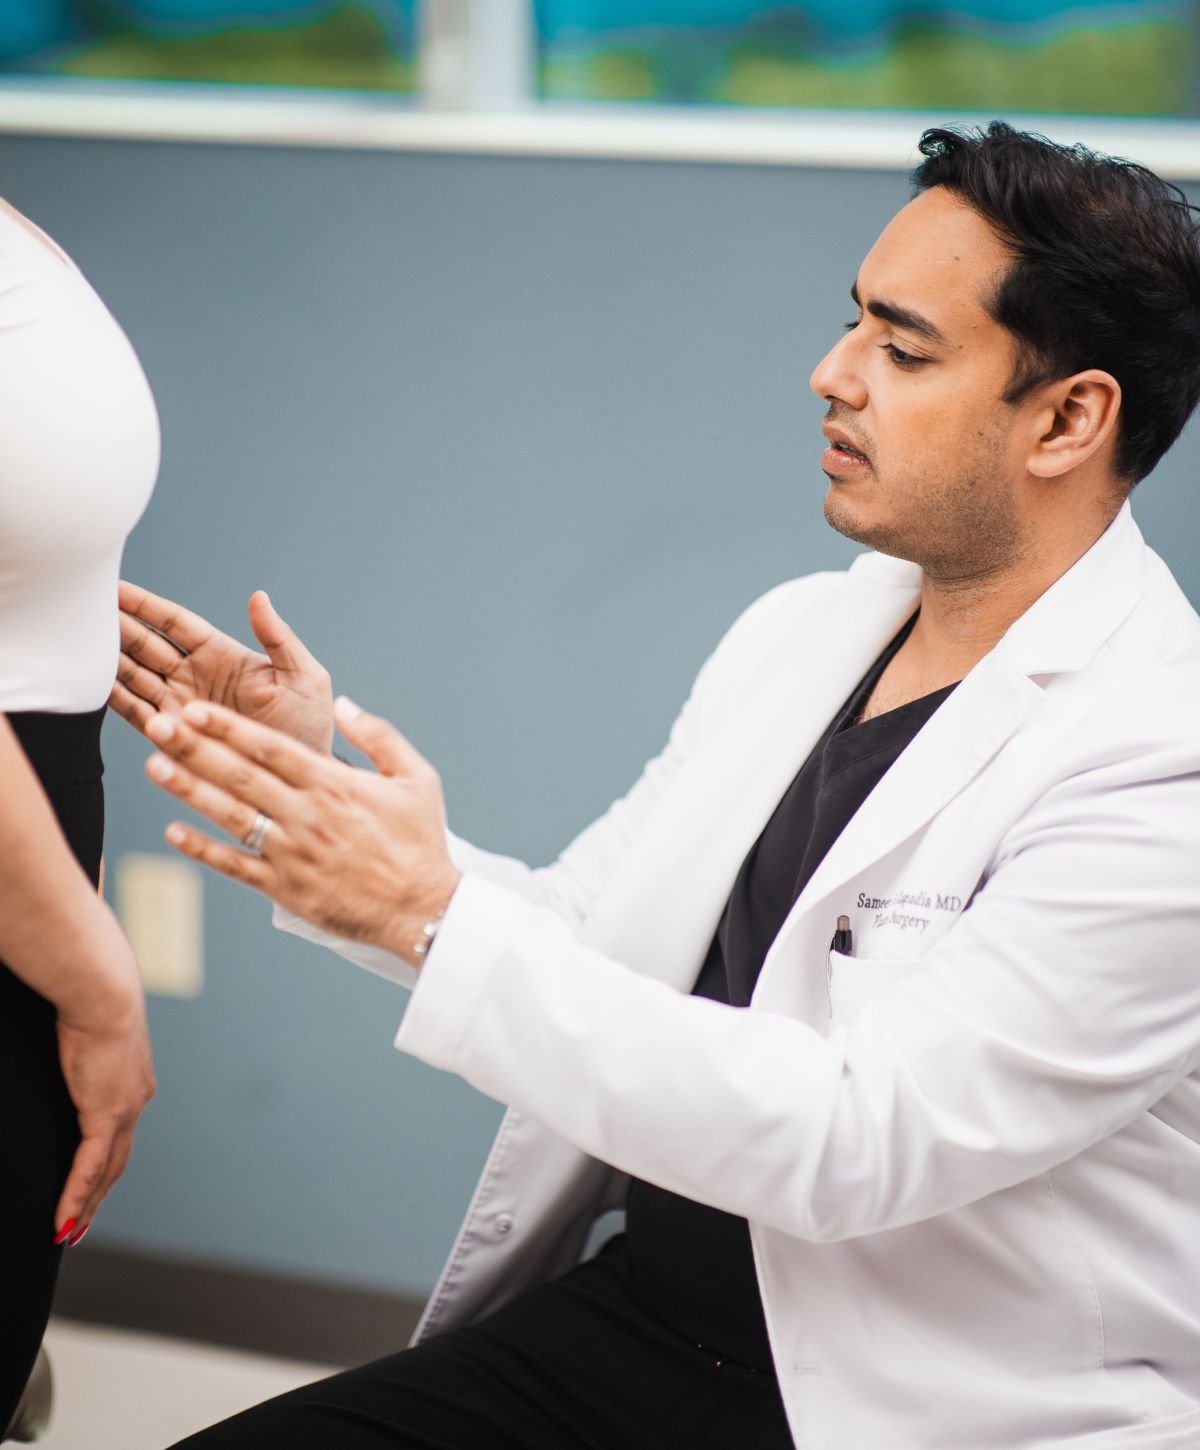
607, 75
346, 48
1139, 68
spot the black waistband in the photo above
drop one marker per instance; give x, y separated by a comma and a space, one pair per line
63, 749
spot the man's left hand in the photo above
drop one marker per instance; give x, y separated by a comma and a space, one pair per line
357, 854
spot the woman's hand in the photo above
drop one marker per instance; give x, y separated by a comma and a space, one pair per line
104, 1052
58, 938
170, 656
358, 854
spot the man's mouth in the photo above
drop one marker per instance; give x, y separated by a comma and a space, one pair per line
841, 459
849, 451
841, 454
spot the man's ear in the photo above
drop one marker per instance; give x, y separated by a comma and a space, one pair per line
1076, 418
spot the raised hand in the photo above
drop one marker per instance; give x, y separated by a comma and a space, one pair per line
170, 656
357, 853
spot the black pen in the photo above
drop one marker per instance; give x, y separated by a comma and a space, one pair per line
843, 938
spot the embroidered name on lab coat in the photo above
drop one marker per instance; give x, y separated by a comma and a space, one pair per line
907, 910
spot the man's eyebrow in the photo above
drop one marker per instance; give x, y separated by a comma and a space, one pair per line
900, 317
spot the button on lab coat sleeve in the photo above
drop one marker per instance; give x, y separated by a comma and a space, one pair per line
1063, 1003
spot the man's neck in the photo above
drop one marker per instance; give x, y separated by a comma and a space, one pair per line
962, 619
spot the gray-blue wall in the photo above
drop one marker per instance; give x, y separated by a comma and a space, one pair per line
510, 441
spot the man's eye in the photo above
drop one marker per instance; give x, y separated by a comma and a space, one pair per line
850, 326
902, 359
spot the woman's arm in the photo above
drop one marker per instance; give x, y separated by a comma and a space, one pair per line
61, 940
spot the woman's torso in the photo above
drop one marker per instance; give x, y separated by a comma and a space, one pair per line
79, 452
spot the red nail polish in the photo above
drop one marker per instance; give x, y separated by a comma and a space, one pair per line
66, 1231
78, 1238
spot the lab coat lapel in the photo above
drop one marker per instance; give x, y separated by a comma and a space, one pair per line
954, 746
660, 913
1060, 632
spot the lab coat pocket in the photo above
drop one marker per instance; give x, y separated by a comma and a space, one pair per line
855, 981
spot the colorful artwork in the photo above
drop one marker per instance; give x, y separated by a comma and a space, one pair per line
992, 55
355, 44
1140, 57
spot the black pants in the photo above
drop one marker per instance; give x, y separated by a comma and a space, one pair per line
576, 1365
39, 1129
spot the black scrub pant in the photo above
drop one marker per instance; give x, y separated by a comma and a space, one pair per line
39, 1128
576, 1365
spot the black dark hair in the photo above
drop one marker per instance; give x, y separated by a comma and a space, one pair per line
1105, 272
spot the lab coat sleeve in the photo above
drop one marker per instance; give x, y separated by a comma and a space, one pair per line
1062, 1004
571, 885
504, 871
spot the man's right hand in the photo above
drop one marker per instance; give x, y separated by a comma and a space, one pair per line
170, 656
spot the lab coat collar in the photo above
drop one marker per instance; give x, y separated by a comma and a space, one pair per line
1060, 632
1063, 629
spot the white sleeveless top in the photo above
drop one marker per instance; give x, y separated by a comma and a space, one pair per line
79, 453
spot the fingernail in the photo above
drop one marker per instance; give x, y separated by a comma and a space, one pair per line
160, 768
78, 1239
176, 835
196, 714
66, 1231
346, 708
160, 727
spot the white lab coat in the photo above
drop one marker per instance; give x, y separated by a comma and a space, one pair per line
970, 1153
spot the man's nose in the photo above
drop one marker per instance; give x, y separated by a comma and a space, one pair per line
836, 378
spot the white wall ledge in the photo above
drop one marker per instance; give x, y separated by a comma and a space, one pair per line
247, 116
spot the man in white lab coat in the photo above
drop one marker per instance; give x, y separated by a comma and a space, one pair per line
877, 999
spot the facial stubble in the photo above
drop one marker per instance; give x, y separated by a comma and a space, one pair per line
959, 529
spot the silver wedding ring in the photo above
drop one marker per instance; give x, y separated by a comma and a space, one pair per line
259, 832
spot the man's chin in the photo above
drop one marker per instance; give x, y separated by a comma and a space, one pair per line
842, 514
852, 519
